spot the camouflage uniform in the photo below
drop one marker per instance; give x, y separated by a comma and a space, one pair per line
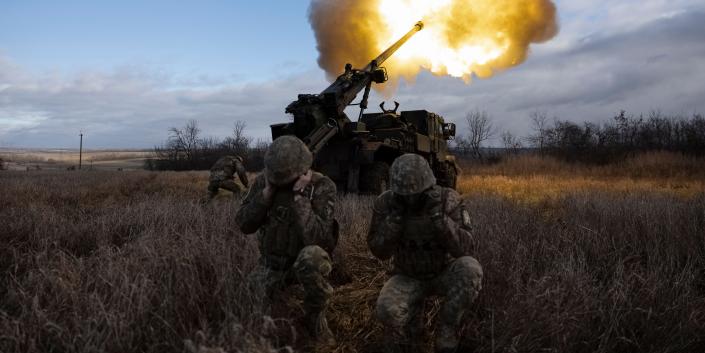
296, 236
223, 173
429, 244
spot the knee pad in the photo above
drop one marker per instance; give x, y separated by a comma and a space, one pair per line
390, 313
313, 259
468, 269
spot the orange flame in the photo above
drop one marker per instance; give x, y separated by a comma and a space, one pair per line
461, 38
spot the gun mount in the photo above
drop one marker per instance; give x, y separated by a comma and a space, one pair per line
319, 117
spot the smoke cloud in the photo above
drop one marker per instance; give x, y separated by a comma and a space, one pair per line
461, 38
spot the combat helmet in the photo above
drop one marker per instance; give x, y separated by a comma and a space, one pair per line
410, 174
286, 159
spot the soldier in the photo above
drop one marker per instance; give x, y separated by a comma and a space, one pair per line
425, 229
292, 207
223, 176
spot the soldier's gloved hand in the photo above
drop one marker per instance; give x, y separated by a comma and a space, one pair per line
394, 226
434, 208
397, 208
301, 184
268, 191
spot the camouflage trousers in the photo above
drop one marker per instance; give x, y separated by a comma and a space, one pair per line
312, 266
400, 303
228, 184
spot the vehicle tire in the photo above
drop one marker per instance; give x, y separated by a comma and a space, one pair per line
374, 178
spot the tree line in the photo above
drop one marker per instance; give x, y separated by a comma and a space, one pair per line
622, 136
187, 149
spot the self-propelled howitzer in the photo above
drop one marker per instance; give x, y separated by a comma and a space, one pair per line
356, 155
320, 117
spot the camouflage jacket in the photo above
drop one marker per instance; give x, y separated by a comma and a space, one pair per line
287, 225
226, 167
421, 242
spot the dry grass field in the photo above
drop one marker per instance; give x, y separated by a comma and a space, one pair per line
533, 179
25, 159
577, 259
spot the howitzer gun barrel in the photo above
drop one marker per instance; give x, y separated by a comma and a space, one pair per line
391, 50
320, 117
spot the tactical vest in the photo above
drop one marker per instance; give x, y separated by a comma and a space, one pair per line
279, 243
420, 253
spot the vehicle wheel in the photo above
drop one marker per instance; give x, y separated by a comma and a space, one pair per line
374, 178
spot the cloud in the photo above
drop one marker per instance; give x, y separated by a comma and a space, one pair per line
134, 107
655, 66
609, 56
583, 18
18, 120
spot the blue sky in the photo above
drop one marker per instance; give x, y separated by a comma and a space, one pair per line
126, 71
237, 40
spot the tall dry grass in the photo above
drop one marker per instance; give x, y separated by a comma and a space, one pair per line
534, 179
119, 262
656, 164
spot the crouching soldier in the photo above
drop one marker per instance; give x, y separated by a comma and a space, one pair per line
424, 228
292, 207
223, 176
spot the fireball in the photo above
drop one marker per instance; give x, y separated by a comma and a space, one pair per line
461, 38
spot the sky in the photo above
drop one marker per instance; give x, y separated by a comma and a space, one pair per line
124, 72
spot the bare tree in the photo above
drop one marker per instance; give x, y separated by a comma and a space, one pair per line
480, 129
511, 143
186, 150
208, 146
238, 142
184, 141
539, 126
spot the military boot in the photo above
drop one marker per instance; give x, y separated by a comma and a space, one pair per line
317, 326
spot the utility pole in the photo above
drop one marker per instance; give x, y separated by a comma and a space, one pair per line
80, 151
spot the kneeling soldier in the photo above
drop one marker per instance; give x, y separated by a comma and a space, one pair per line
223, 176
424, 228
292, 207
